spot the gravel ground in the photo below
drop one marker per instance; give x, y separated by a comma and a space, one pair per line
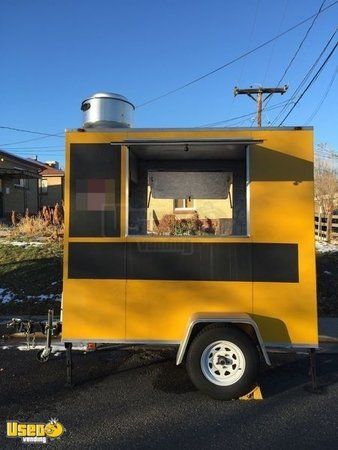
135, 397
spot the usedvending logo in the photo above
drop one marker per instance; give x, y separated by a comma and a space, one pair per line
31, 433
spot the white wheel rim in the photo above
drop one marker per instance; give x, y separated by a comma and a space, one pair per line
223, 363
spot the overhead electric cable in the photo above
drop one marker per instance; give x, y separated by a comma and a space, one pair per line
312, 116
313, 79
28, 131
274, 45
35, 147
301, 44
298, 48
223, 66
277, 105
305, 78
29, 152
239, 80
28, 140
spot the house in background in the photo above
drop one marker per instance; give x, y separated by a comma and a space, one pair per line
28, 184
19, 180
51, 183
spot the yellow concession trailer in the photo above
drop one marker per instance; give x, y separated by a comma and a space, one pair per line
200, 238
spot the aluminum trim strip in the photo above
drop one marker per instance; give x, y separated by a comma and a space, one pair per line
243, 318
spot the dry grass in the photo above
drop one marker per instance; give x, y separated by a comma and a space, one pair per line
47, 224
30, 272
30, 226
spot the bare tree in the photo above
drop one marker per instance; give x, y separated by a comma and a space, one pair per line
326, 183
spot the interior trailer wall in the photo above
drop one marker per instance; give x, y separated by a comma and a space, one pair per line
138, 188
214, 215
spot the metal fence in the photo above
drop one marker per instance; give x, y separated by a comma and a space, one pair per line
325, 229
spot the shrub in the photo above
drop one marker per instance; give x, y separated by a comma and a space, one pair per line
191, 226
166, 224
48, 223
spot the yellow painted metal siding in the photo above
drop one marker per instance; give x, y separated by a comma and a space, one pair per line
94, 309
159, 310
281, 211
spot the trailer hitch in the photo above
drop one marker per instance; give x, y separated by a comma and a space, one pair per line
27, 327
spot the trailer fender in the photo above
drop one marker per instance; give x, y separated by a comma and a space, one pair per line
229, 318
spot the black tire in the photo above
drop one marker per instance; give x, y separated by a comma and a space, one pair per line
212, 334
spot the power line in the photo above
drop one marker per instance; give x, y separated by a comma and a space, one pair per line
312, 116
299, 46
247, 47
274, 45
28, 140
29, 131
277, 105
43, 135
313, 79
306, 76
301, 43
34, 148
29, 152
223, 66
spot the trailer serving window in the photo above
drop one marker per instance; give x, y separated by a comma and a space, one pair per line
188, 189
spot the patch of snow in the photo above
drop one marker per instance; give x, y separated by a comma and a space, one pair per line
23, 243
57, 347
325, 247
7, 296
43, 297
24, 348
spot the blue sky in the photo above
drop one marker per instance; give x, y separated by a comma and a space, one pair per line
55, 54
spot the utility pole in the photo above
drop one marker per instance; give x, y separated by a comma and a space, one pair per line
257, 95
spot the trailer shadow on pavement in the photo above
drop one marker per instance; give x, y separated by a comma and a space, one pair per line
141, 384
288, 371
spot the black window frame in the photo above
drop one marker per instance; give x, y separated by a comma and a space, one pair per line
96, 161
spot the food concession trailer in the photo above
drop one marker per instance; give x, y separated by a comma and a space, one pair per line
202, 238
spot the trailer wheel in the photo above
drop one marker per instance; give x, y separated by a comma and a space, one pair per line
223, 362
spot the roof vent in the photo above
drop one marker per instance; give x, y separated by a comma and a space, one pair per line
107, 110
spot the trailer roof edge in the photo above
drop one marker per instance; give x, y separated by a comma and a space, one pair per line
138, 130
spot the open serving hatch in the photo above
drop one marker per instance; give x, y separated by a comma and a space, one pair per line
189, 187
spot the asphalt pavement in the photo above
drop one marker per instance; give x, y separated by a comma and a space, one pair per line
136, 398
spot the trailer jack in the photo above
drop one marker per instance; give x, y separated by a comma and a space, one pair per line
314, 388
44, 354
69, 364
